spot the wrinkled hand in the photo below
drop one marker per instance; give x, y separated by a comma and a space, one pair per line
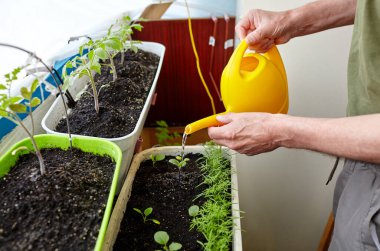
248, 133
262, 29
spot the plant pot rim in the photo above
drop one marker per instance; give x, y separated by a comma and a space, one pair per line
121, 203
100, 146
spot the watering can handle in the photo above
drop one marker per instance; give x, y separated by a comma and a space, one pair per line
273, 55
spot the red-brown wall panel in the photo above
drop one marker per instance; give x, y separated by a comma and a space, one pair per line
181, 96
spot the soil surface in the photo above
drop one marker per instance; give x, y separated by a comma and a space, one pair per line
60, 210
121, 102
159, 187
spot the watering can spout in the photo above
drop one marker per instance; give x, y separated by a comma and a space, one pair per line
203, 123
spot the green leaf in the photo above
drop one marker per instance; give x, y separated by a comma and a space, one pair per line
137, 210
178, 158
148, 211
160, 157
13, 100
3, 114
114, 43
156, 221
174, 246
81, 48
3, 87
101, 53
18, 108
34, 85
174, 162
25, 93
35, 101
96, 67
161, 237
90, 55
193, 210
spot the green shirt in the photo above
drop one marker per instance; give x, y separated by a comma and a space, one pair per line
364, 61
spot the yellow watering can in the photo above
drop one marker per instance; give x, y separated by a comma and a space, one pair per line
250, 82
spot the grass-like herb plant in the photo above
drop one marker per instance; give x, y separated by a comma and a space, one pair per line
162, 238
214, 218
157, 157
144, 214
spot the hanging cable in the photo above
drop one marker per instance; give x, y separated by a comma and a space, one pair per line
212, 42
197, 60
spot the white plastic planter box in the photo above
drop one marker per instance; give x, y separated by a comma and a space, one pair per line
125, 193
126, 143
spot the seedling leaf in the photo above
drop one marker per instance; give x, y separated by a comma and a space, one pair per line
148, 211
174, 246
19, 108
137, 210
174, 162
193, 210
35, 101
101, 53
34, 85
21, 148
25, 93
161, 237
160, 157
156, 221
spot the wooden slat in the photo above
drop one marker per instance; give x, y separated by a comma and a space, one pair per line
327, 234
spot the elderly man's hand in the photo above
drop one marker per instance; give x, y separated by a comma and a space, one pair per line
248, 133
262, 29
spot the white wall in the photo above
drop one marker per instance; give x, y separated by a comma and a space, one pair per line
283, 194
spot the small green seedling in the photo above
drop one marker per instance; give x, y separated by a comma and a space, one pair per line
179, 162
11, 107
148, 211
157, 157
164, 137
193, 210
162, 238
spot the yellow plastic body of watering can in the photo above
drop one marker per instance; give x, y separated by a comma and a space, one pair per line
250, 83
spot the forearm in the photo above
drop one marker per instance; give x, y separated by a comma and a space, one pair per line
353, 137
321, 15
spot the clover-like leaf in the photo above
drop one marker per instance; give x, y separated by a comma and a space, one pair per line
193, 210
174, 246
161, 237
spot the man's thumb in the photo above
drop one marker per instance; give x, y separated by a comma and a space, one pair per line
225, 118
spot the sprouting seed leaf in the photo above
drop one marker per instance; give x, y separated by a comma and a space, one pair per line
156, 221
134, 49
178, 158
193, 210
21, 148
160, 156
174, 162
174, 246
148, 211
101, 53
19, 108
25, 93
161, 237
186, 159
137, 210
34, 85
35, 101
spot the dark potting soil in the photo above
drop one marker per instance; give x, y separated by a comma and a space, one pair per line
60, 210
159, 187
121, 102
